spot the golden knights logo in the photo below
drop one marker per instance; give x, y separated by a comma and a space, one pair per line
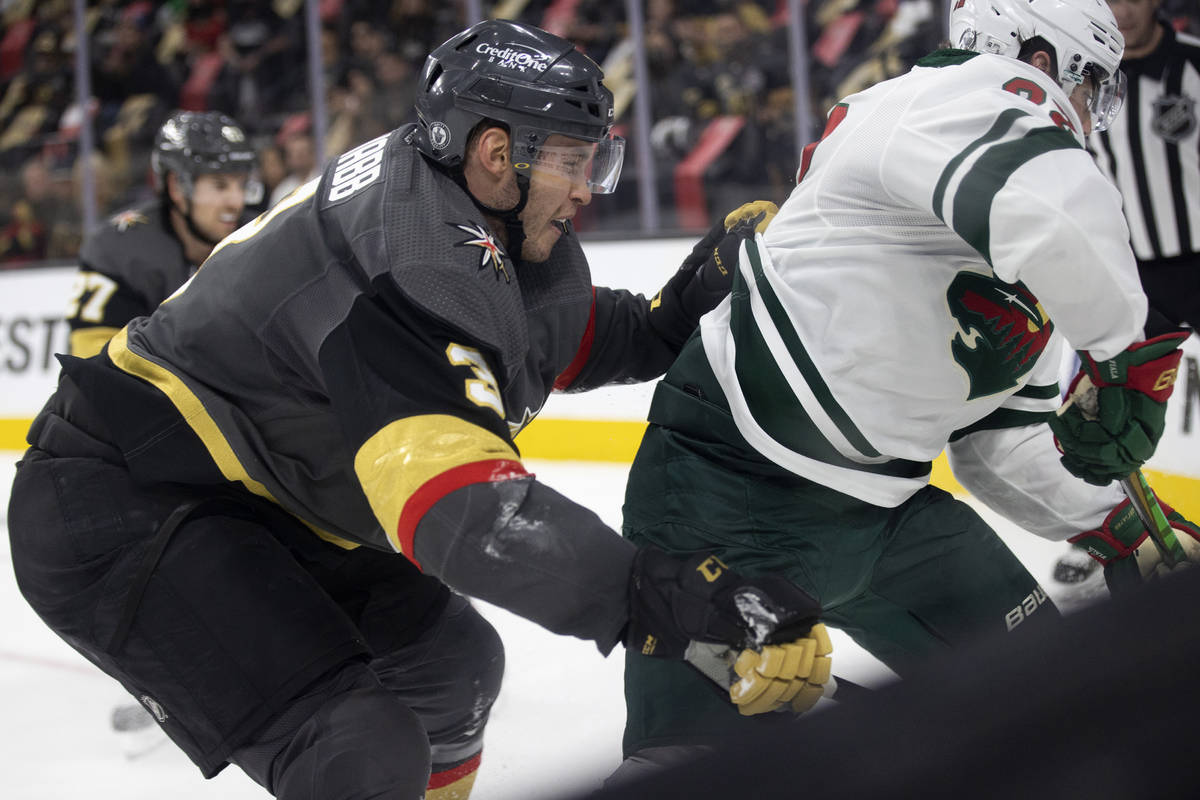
493, 253
127, 219
1002, 331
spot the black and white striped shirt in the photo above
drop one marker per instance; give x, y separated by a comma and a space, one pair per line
1152, 150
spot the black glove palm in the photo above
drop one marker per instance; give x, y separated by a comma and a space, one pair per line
673, 602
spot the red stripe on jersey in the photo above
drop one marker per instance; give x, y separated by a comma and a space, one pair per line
439, 779
569, 374
443, 484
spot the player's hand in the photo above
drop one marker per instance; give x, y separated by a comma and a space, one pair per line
1116, 409
792, 675
1122, 544
673, 603
706, 275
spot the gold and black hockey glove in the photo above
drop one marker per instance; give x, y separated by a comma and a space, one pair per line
757, 637
706, 275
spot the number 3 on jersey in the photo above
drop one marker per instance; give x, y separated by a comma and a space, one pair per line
482, 390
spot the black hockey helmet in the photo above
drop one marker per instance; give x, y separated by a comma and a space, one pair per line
531, 80
194, 143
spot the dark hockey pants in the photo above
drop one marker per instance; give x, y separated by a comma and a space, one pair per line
322, 672
905, 583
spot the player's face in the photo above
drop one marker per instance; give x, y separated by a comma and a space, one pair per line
1081, 100
1136, 20
557, 188
217, 203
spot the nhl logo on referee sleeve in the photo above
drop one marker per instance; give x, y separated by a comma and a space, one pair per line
1174, 117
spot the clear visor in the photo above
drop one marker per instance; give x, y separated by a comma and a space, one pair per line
596, 163
1107, 97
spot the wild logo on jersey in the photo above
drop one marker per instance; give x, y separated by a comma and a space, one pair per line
1002, 331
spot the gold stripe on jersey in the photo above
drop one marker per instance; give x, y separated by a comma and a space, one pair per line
200, 421
406, 454
87, 342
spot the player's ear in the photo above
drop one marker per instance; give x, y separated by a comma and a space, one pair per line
175, 190
492, 149
1043, 61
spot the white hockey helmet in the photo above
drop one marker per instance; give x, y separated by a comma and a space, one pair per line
1086, 40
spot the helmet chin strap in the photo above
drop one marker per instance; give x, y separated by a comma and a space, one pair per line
188, 220
514, 229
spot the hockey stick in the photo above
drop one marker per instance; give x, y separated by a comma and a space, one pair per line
1135, 485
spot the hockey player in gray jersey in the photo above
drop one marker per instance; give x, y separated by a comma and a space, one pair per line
251, 505
947, 235
201, 162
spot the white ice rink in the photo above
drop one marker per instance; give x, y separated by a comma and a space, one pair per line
556, 725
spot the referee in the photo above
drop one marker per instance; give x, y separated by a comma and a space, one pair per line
1152, 153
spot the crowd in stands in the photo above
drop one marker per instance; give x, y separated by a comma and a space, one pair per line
719, 70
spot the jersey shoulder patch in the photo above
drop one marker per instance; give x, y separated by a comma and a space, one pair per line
134, 247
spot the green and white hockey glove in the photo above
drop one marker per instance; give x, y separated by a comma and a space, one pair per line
1116, 409
756, 637
706, 275
1123, 546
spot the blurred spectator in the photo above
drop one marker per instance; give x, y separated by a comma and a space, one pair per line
300, 158
264, 63
24, 238
124, 62
35, 98
395, 90
272, 169
420, 25
858, 43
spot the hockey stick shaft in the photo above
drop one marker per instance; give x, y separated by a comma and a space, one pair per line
1150, 511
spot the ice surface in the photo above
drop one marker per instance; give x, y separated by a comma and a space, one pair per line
556, 725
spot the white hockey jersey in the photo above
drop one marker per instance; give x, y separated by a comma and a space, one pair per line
945, 236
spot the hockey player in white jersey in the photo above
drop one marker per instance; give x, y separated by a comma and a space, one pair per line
948, 236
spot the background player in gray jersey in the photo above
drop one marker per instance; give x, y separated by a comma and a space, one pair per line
251, 505
202, 163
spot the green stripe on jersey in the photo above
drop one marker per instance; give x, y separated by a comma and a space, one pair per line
803, 361
947, 57
973, 200
998, 129
1039, 392
771, 399
1002, 418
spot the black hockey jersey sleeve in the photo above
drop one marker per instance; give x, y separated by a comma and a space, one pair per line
442, 475
619, 345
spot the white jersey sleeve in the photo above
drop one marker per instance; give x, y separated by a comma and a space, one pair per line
1016, 472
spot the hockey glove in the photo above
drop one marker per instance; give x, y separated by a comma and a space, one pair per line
1123, 546
706, 275
757, 637
1116, 410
